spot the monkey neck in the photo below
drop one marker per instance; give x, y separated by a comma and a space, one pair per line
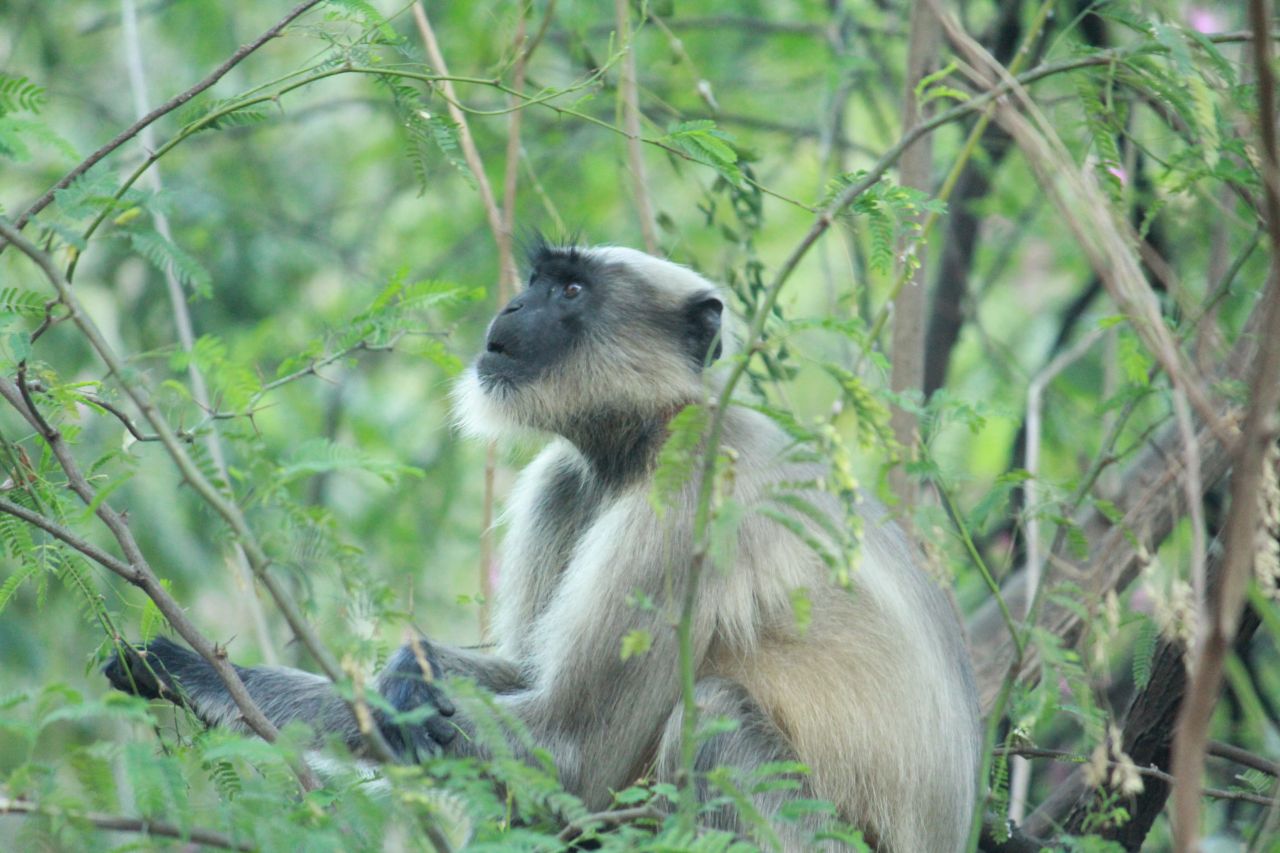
620, 446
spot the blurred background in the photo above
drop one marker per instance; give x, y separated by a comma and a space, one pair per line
337, 267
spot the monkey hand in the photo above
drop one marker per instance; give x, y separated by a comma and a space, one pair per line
422, 724
152, 670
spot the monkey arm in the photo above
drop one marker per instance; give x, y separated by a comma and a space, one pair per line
493, 673
163, 669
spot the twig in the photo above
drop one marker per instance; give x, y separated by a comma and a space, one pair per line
1195, 507
1250, 457
224, 507
1020, 779
165, 108
508, 275
228, 510
506, 263
85, 547
134, 568
1152, 772
1100, 234
1243, 756
630, 100
117, 823
611, 818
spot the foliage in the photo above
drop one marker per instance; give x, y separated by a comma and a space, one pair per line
318, 213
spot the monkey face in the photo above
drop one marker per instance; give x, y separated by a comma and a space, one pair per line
541, 327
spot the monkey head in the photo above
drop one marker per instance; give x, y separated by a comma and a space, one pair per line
599, 336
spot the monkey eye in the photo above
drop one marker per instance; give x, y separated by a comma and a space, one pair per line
572, 290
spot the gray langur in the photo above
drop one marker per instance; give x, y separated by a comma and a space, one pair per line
875, 696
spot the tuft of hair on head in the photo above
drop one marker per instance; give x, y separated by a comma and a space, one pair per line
537, 247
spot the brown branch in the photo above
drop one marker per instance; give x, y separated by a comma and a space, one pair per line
916, 171
84, 546
227, 509
1104, 238
508, 275
1255, 443
134, 568
165, 108
506, 263
1244, 757
117, 823
191, 472
629, 94
1147, 738
1148, 771
611, 818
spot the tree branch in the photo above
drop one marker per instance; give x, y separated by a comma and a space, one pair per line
629, 95
165, 108
1250, 458
223, 506
117, 823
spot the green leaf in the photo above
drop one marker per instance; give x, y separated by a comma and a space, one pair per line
704, 143
168, 257
801, 608
1144, 652
636, 643
678, 457
320, 455
19, 94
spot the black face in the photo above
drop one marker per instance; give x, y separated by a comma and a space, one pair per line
540, 327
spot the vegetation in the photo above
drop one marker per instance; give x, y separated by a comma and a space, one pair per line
1010, 266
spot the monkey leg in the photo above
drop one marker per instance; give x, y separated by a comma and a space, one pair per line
754, 742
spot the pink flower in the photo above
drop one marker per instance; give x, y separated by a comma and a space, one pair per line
1119, 174
1204, 20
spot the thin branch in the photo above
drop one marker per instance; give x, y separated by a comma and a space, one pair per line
229, 512
506, 263
1151, 772
628, 93
1242, 756
117, 823
1103, 237
1020, 779
134, 568
165, 108
610, 818
1251, 455
508, 275
85, 547
222, 505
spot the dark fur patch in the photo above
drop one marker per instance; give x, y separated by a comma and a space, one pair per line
537, 248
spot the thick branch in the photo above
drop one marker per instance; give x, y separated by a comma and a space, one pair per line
916, 171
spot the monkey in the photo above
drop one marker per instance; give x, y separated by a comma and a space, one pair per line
874, 695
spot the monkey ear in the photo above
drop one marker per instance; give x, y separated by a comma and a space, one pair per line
702, 318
